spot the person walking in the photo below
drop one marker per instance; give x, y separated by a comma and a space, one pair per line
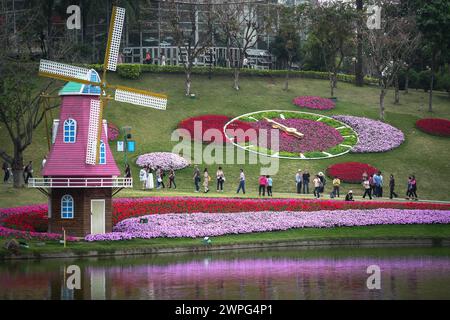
372, 185
206, 179
148, 58
269, 186
197, 178
172, 179
163, 59
349, 196
365, 176
317, 185
392, 187
127, 171
44, 161
28, 172
262, 185
220, 179
380, 184
241, 182
149, 184
414, 188
336, 186
162, 174
367, 189
305, 178
143, 177
323, 182
5, 169
298, 180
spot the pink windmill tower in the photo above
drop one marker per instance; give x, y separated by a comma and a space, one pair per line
80, 175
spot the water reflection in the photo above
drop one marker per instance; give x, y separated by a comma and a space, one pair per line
244, 276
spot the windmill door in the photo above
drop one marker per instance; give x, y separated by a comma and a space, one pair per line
97, 216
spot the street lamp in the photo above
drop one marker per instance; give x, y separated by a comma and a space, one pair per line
354, 60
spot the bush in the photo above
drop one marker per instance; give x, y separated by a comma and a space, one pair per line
424, 80
443, 82
129, 71
434, 126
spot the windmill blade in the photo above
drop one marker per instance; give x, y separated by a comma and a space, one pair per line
114, 37
66, 72
93, 140
141, 97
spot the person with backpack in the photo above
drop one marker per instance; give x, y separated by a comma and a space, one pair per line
336, 186
323, 182
317, 186
392, 187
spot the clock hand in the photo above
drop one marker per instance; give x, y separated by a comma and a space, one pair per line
288, 130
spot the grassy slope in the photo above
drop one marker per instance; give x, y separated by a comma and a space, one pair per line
370, 232
423, 155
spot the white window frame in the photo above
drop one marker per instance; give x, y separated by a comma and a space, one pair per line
67, 132
102, 146
62, 206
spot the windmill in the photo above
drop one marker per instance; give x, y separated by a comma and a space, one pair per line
66, 72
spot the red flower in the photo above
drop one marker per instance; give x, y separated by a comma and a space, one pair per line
350, 172
434, 126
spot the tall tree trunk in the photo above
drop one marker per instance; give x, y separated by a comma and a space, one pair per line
406, 81
359, 76
382, 95
396, 91
17, 167
331, 85
187, 83
286, 81
430, 92
236, 78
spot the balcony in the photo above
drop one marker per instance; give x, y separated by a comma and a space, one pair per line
117, 183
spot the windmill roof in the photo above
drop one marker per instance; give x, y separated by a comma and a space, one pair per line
74, 88
69, 159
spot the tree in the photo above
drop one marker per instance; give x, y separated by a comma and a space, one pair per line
240, 23
191, 41
331, 25
389, 46
359, 75
433, 21
286, 47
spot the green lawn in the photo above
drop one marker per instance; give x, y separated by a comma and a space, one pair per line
423, 155
339, 233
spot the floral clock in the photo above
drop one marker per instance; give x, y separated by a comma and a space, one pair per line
302, 135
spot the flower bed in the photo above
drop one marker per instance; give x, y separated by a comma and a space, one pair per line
434, 126
113, 131
208, 122
318, 136
350, 172
124, 208
314, 102
11, 233
165, 160
373, 135
33, 222
217, 224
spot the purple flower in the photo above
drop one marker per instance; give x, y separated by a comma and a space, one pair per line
217, 224
314, 102
165, 160
373, 135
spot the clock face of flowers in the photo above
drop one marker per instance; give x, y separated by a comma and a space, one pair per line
301, 135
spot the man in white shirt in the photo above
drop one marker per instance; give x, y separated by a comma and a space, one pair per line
241, 182
298, 180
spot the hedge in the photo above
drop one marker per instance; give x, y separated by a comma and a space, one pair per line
133, 71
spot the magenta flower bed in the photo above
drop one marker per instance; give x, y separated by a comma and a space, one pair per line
373, 135
314, 102
217, 224
12, 233
318, 135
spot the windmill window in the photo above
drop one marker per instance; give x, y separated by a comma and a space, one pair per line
102, 156
70, 131
67, 207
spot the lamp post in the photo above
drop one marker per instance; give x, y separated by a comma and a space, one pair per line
126, 135
354, 60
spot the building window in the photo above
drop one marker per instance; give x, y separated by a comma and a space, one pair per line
70, 131
67, 207
102, 155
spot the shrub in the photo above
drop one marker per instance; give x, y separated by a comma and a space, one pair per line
424, 80
33, 222
129, 71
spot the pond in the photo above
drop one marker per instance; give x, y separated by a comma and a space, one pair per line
338, 273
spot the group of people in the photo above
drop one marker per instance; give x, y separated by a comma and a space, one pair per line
197, 177
148, 59
27, 172
148, 180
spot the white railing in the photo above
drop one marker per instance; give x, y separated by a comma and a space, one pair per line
80, 183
